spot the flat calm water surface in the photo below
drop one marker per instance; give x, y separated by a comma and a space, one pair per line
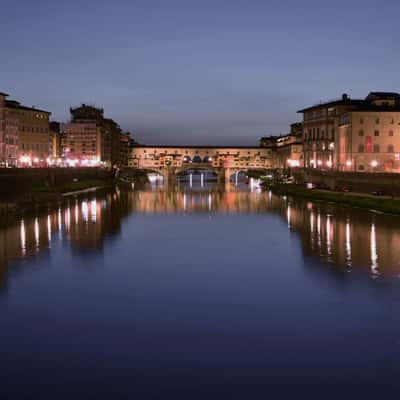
199, 293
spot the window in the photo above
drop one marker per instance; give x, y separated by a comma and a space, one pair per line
390, 148
361, 148
377, 120
391, 133
361, 167
392, 121
376, 133
361, 121
376, 148
360, 132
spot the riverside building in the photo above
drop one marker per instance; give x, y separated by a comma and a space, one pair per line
360, 135
8, 135
90, 139
25, 134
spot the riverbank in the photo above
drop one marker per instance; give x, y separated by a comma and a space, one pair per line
382, 204
41, 198
75, 186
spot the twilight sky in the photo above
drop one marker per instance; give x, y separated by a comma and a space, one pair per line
197, 72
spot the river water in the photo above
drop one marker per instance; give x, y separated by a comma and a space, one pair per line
202, 292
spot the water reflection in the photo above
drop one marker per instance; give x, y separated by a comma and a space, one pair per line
336, 235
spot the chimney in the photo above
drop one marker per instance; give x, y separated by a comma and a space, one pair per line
345, 97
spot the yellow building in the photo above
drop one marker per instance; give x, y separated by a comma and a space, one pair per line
33, 132
360, 135
369, 138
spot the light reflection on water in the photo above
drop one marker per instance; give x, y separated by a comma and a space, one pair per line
222, 284
335, 234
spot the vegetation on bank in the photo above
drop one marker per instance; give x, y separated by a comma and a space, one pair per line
391, 206
75, 186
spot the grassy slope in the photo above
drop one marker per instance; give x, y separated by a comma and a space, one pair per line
379, 204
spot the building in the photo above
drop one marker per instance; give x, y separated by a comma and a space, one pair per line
269, 141
112, 142
289, 149
320, 131
56, 129
81, 142
368, 137
8, 134
182, 157
29, 131
360, 135
90, 138
125, 140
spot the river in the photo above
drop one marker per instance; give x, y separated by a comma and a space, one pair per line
199, 292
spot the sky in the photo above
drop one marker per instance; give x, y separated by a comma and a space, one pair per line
218, 72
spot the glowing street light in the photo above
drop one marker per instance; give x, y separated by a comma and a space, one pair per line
349, 163
293, 163
25, 160
374, 163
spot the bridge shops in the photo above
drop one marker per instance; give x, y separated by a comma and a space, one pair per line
174, 160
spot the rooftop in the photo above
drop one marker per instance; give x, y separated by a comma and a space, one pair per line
362, 104
344, 100
17, 105
384, 94
198, 147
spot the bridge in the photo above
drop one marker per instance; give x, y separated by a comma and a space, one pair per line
170, 161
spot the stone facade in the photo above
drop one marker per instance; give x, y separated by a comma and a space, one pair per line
353, 135
29, 131
8, 134
369, 141
170, 160
81, 141
90, 136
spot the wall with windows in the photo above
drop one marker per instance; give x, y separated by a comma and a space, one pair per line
34, 134
229, 157
81, 141
370, 142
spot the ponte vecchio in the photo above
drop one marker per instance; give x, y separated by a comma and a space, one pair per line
224, 161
